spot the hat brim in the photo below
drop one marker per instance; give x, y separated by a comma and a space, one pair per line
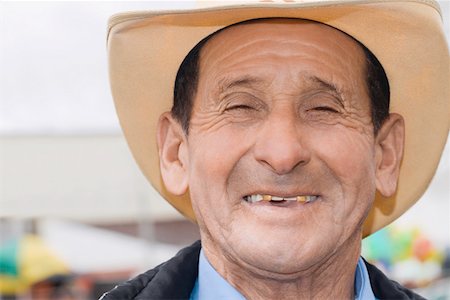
147, 48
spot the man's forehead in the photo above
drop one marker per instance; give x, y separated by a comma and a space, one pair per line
282, 30
282, 26
274, 36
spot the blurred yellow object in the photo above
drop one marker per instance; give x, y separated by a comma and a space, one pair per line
35, 263
11, 285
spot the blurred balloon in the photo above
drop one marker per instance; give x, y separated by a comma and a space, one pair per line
25, 262
408, 255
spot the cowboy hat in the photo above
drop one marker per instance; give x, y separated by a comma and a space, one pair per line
146, 49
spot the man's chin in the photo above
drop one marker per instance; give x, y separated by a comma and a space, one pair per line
278, 255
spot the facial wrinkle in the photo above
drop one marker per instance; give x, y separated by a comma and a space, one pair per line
230, 83
355, 114
209, 122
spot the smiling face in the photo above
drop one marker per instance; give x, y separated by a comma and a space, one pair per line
282, 110
281, 113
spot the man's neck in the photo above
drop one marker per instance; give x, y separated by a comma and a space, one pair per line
332, 279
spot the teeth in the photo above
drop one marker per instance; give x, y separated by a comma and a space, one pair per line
274, 198
255, 198
306, 199
301, 199
311, 198
267, 198
258, 197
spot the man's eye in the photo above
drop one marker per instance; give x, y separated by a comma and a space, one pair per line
239, 107
325, 108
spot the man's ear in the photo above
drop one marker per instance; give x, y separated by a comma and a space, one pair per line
389, 153
172, 147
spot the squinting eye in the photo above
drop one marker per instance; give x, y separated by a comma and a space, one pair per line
239, 107
325, 108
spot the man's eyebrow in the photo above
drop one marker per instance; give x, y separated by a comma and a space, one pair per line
325, 84
245, 81
328, 86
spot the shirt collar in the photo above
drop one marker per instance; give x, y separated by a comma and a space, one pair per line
363, 290
211, 285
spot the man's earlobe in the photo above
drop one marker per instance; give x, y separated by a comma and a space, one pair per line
173, 156
389, 153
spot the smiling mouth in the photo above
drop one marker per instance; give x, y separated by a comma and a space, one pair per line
278, 200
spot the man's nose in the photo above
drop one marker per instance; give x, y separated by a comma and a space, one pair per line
279, 145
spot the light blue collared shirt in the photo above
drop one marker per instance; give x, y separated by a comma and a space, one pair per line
210, 285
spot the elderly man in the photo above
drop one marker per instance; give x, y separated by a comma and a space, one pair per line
280, 143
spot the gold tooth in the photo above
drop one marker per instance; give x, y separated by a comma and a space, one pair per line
267, 198
301, 199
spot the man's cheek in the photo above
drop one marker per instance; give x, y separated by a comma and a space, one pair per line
219, 153
347, 153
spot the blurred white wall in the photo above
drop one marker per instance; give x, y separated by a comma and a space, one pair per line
85, 178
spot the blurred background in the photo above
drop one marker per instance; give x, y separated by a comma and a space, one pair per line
76, 214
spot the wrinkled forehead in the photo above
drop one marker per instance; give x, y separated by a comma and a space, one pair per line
268, 47
284, 30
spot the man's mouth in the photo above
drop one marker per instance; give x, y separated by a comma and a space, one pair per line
277, 199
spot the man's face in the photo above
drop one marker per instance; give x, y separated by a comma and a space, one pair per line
281, 109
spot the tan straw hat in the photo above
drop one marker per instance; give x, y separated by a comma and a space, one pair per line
147, 48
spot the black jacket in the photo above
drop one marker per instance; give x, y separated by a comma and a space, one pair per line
175, 279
